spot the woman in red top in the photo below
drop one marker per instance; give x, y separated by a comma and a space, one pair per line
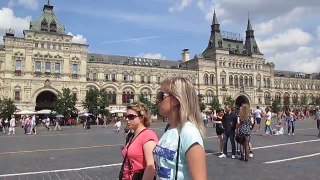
137, 153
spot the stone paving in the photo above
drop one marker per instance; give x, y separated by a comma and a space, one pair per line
75, 153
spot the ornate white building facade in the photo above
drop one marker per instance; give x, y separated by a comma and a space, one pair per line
35, 68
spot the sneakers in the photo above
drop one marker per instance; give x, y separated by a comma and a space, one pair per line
288, 134
251, 155
222, 156
233, 157
292, 134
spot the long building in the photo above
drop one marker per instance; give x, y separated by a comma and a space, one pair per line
34, 69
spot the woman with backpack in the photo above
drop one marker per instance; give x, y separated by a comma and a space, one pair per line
138, 162
244, 131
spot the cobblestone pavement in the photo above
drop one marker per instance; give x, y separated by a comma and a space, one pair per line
75, 153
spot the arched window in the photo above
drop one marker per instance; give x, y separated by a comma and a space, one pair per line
111, 95
127, 96
44, 25
231, 80
146, 94
267, 98
241, 81
236, 81
208, 97
246, 80
258, 81
211, 79
250, 81
53, 27
268, 83
148, 79
206, 79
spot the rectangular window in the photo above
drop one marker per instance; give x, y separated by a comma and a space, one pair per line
142, 79
74, 68
223, 81
94, 76
18, 65
158, 79
57, 68
17, 96
107, 77
48, 67
38, 66
36, 45
113, 77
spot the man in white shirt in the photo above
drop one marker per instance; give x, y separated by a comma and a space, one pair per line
257, 117
12, 125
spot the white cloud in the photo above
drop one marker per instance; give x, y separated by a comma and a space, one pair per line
31, 4
280, 22
283, 41
78, 38
9, 20
151, 56
303, 59
181, 5
318, 32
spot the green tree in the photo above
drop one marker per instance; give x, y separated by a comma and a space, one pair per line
66, 103
103, 103
286, 102
276, 105
91, 101
201, 104
215, 104
154, 107
229, 101
304, 100
7, 108
96, 102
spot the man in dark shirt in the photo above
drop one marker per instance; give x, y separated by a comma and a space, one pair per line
229, 122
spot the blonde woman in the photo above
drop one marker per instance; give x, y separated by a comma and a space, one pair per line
180, 153
244, 131
138, 162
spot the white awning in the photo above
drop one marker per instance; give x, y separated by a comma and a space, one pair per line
25, 112
44, 111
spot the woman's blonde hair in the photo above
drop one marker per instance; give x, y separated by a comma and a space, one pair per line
142, 111
244, 112
189, 109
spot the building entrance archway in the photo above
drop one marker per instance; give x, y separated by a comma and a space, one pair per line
242, 100
45, 100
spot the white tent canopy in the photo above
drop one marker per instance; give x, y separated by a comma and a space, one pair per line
44, 111
118, 111
25, 112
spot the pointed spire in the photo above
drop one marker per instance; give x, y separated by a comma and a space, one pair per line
249, 27
48, 2
214, 19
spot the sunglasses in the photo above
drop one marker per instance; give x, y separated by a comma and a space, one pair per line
131, 117
161, 96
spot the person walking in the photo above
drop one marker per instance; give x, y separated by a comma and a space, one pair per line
180, 152
268, 122
229, 122
257, 117
138, 162
12, 125
47, 124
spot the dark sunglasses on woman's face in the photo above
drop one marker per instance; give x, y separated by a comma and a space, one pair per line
131, 117
161, 96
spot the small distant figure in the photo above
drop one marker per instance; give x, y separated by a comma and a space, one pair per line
47, 124
12, 125
57, 124
118, 125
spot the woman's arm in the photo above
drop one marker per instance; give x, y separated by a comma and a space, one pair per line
196, 160
149, 172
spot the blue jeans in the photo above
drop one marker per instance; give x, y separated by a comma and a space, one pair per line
268, 128
226, 136
291, 125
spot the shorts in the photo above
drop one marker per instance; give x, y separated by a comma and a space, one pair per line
219, 129
258, 120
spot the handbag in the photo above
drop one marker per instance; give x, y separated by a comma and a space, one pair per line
268, 123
